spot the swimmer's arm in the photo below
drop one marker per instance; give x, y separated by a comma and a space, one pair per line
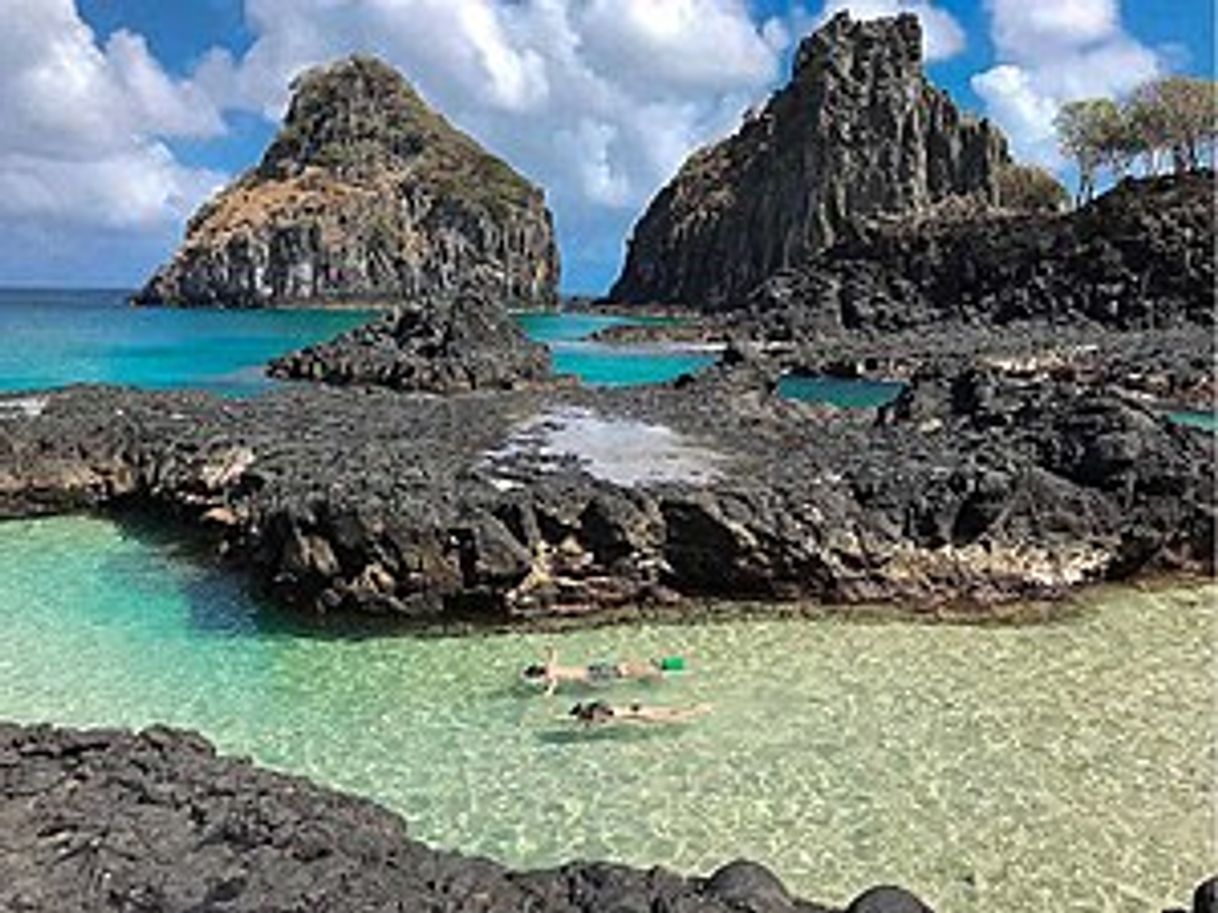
551, 685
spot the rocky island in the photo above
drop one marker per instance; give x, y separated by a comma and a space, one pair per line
857, 131
366, 197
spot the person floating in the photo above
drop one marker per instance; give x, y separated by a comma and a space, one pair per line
553, 674
594, 713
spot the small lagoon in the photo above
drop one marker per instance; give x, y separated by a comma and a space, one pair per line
1065, 766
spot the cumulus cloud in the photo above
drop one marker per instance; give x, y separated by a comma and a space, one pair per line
1051, 52
81, 146
598, 100
942, 35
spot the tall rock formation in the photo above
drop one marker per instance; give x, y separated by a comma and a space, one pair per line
365, 196
857, 132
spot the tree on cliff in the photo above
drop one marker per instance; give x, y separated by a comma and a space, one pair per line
1174, 116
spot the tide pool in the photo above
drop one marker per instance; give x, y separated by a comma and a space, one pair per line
841, 392
1066, 766
599, 364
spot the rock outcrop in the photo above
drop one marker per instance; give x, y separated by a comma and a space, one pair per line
1140, 257
857, 132
113, 820
976, 488
464, 344
366, 196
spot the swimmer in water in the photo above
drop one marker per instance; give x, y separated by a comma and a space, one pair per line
593, 713
597, 673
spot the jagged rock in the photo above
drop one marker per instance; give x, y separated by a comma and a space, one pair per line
441, 347
857, 132
976, 488
113, 820
366, 195
1138, 258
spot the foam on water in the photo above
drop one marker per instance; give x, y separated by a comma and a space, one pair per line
1060, 767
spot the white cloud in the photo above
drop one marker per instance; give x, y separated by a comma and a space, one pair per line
942, 35
80, 147
1051, 52
597, 100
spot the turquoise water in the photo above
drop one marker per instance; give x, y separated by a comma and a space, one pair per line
604, 365
847, 394
1056, 767
1206, 420
53, 338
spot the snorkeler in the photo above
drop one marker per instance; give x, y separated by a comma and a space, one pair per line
594, 713
598, 673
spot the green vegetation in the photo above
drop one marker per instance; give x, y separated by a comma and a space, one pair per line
1172, 118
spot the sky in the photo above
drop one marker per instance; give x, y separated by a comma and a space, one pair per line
119, 117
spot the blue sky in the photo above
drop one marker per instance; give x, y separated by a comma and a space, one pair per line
122, 115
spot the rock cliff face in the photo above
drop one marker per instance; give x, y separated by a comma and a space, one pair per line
365, 196
858, 131
1139, 258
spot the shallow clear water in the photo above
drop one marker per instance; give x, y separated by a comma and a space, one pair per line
842, 392
605, 365
1059, 767
53, 338
1206, 420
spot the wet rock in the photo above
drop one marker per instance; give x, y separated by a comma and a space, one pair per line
886, 899
976, 487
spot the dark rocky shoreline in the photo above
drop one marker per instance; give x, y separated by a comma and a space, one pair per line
157, 821
975, 488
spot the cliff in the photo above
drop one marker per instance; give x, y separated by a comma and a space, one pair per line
365, 196
858, 131
1139, 258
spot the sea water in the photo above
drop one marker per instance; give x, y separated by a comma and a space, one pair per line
1062, 766
53, 338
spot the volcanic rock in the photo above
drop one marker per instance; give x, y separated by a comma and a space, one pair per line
1137, 258
366, 196
858, 131
441, 347
113, 820
976, 487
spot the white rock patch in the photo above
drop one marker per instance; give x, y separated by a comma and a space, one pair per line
625, 452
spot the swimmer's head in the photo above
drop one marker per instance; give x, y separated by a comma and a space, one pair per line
534, 672
592, 712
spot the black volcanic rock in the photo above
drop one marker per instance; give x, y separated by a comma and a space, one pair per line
440, 347
857, 132
366, 196
106, 820
978, 486
1138, 258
